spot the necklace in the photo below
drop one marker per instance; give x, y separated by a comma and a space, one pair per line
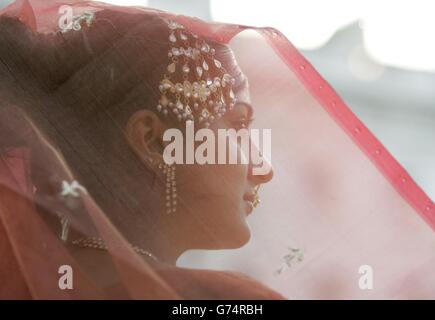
98, 243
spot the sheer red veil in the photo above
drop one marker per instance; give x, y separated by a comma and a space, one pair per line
338, 205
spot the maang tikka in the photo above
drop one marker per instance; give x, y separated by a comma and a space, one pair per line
196, 86
189, 92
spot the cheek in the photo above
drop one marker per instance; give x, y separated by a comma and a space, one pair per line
215, 196
210, 181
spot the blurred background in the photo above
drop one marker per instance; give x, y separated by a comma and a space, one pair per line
378, 55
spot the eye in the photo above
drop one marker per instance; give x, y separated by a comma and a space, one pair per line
242, 123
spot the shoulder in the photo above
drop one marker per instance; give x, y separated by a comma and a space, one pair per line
248, 286
210, 284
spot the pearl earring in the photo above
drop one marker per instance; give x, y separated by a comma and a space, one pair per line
171, 187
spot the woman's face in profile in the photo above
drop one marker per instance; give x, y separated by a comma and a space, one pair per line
221, 196
212, 200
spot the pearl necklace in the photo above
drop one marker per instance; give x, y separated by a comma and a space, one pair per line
98, 243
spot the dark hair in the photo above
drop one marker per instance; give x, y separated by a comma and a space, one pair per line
81, 88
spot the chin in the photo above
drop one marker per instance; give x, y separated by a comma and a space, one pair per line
237, 238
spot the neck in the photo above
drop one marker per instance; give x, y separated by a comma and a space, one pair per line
163, 239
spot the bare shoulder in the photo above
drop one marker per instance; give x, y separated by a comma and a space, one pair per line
250, 286
211, 284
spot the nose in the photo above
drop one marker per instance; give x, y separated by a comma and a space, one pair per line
261, 173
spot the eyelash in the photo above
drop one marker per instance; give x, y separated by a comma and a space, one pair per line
242, 123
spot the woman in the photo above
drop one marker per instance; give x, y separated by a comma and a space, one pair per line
88, 92
103, 84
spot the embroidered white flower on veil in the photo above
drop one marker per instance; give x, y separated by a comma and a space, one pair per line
294, 255
72, 189
76, 23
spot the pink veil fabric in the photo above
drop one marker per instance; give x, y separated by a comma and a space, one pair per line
338, 199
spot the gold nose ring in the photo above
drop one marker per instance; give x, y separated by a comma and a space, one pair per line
257, 200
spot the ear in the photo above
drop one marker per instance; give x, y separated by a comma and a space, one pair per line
144, 132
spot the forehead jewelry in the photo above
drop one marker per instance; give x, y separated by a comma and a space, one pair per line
196, 86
